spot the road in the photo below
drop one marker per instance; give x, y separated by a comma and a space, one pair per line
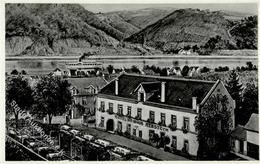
137, 146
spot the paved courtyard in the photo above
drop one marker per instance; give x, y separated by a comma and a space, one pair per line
137, 146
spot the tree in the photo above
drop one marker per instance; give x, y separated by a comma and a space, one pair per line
19, 93
235, 88
214, 125
185, 70
14, 72
249, 102
110, 69
164, 72
249, 66
23, 72
52, 96
135, 69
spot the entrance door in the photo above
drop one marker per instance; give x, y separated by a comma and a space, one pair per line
241, 147
110, 125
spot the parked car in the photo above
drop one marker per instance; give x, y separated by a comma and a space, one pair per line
143, 158
30, 142
121, 150
102, 142
88, 137
75, 132
65, 127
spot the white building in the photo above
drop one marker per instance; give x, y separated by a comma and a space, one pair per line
245, 139
145, 105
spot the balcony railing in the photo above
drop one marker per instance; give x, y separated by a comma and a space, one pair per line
161, 123
173, 127
101, 110
185, 130
110, 111
150, 120
138, 117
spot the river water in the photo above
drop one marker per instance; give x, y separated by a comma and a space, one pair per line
46, 65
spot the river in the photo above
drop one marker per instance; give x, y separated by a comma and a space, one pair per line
44, 65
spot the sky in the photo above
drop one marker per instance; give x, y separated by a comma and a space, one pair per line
250, 8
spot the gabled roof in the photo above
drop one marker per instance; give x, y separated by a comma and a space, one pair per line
253, 123
82, 83
178, 92
149, 86
57, 69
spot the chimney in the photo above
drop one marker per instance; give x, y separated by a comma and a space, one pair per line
116, 86
194, 103
163, 91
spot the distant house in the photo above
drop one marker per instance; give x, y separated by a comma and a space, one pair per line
84, 91
193, 71
175, 71
184, 52
57, 72
245, 140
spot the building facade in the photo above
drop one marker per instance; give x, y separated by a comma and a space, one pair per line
245, 139
84, 92
146, 105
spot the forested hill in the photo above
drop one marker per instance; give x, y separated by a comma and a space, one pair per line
42, 29
193, 27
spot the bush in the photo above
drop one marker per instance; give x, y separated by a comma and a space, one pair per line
185, 71
204, 70
135, 69
110, 69
14, 72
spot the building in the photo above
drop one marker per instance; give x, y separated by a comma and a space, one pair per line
245, 139
57, 72
144, 105
84, 91
82, 68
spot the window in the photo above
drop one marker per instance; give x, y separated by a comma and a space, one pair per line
129, 128
84, 101
140, 134
102, 122
110, 107
162, 118
74, 91
134, 132
186, 146
120, 109
151, 116
141, 96
139, 113
174, 120
119, 126
102, 106
219, 125
174, 142
129, 111
151, 134
186, 123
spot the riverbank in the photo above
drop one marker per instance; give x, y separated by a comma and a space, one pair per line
97, 57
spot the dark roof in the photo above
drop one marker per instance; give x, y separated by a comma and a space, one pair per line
57, 69
82, 83
179, 92
239, 133
253, 124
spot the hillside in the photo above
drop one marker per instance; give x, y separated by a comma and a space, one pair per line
183, 27
51, 29
143, 17
118, 23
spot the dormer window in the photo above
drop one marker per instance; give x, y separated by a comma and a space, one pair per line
141, 96
74, 91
